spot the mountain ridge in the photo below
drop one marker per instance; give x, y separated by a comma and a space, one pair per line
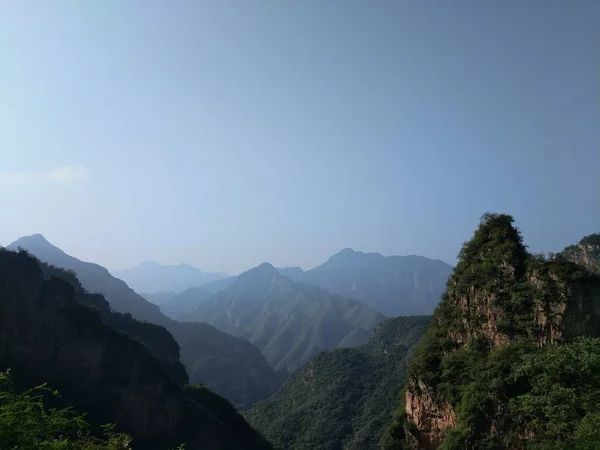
288, 321
152, 277
49, 334
200, 345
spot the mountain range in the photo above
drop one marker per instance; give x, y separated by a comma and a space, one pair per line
53, 332
290, 322
232, 366
392, 285
152, 277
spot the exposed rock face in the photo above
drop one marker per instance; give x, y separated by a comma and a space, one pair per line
497, 295
431, 419
586, 252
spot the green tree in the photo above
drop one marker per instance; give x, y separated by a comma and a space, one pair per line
25, 422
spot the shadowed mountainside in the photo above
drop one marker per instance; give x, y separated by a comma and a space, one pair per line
233, 367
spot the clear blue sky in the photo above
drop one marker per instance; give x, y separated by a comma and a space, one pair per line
228, 133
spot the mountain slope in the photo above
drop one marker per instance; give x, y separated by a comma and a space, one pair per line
393, 285
511, 359
152, 277
341, 398
181, 304
293, 273
47, 335
289, 322
209, 355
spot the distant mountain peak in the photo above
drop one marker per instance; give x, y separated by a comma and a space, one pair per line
149, 264
36, 238
264, 268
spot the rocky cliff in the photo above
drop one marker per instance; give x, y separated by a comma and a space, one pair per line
501, 306
586, 252
48, 335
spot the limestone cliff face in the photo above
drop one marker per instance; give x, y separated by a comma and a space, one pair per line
431, 418
48, 335
498, 294
586, 252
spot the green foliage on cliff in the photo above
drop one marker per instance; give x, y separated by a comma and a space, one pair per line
500, 352
27, 423
341, 398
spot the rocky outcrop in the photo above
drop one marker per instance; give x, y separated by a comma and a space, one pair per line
431, 419
497, 296
586, 252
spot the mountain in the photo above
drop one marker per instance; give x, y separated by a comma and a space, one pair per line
342, 398
181, 304
47, 335
152, 277
293, 273
393, 285
511, 359
158, 298
231, 366
289, 322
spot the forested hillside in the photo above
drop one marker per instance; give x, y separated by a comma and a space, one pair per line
342, 398
511, 359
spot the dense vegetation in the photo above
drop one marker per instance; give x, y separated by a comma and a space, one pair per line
341, 398
289, 322
48, 335
27, 422
501, 365
230, 366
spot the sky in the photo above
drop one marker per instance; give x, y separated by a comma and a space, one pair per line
227, 133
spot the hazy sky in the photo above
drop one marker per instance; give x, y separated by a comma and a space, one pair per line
228, 133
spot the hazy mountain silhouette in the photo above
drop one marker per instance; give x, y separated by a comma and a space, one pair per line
288, 321
52, 331
179, 305
209, 355
153, 277
393, 285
